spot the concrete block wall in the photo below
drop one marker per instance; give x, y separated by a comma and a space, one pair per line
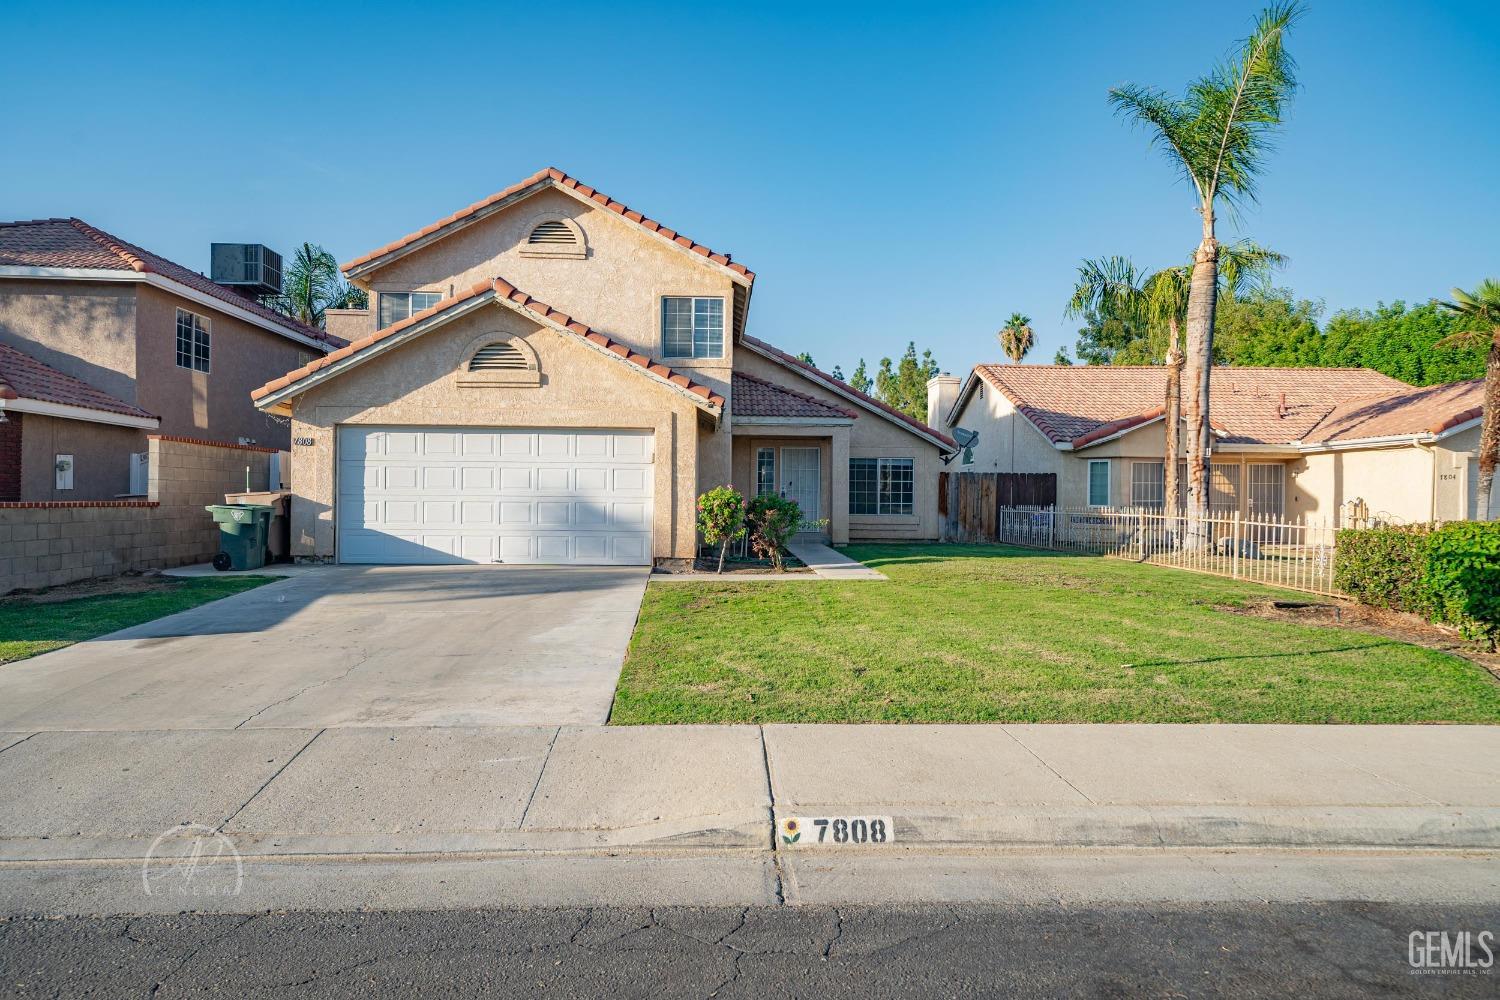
52, 543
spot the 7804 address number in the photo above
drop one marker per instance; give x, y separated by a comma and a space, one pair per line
836, 831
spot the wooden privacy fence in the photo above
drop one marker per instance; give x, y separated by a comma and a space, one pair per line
969, 503
1274, 552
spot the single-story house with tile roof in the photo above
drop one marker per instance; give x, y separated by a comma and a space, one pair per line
549, 376
106, 342
1292, 443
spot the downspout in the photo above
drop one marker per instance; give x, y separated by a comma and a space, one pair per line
1431, 479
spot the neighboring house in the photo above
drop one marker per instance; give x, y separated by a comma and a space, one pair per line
548, 376
1293, 443
105, 342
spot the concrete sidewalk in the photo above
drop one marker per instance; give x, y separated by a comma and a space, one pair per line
408, 790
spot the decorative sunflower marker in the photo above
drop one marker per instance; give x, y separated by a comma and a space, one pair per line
791, 831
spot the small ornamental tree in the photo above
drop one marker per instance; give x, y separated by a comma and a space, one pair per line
773, 520
721, 518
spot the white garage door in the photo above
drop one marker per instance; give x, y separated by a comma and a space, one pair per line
486, 495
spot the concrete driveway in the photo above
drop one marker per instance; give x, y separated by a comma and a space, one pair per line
351, 646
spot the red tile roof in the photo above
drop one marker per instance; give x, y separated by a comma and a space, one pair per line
1073, 403
499, 288
551, 176
750, 396
73, 243
819, 375
24, 377
1430, 410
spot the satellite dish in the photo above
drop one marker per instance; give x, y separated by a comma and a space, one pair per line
965, 438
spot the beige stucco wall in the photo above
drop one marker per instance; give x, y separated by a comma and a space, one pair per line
215, 404
414, 384
85, 329
617, 289
101, 458
870, 436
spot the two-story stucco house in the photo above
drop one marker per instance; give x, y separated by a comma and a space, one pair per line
103, 343
548, 376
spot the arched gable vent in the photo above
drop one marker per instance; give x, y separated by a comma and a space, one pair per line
553, 232
556, 237
498, 358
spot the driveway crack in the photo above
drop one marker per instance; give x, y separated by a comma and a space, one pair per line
363, 658
538, 783
230, 818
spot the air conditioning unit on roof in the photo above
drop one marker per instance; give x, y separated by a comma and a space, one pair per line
251, 268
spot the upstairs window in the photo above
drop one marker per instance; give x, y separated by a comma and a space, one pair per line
396, 306
192, 341
692, 327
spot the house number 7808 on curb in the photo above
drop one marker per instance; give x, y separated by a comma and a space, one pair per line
836, 831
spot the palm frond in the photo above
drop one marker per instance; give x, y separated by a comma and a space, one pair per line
1108, 286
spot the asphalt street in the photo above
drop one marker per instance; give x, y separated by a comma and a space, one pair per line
1229, 950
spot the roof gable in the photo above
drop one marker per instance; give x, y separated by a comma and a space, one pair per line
850, 393
550, 177
495, 290
72, 244
1076, 405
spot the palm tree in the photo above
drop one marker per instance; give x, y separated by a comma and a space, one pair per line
1113, 287
1482, 308
311, 284
1218, 134
1016, 339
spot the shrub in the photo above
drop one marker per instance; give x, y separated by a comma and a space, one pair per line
1384, 567
1462, 576
773, 520
721, 518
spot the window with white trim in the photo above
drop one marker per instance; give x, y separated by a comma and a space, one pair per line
692, 327
765, 471
1099, 482
192, 341
881, 485
396, 306
1148, 484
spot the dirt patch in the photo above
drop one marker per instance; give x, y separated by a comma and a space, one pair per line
1374, 621
739, 567
129, 583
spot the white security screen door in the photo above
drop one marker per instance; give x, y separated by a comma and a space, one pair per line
422, 495
801, 479
1266, 490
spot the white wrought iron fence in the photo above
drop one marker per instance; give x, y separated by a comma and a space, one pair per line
1272, 551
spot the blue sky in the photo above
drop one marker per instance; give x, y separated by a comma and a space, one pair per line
892, 173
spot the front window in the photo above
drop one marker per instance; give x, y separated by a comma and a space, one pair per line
881, 485
1099, 483
765, 471
692, 327
1148, 484
396, 306
192, 341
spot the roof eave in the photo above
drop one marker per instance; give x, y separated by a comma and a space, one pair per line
67, 411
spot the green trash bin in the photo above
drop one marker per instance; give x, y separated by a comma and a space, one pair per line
243, 529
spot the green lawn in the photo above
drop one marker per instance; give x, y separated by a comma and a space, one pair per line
993, 634
29, 626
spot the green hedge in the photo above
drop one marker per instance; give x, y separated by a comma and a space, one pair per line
1449, 574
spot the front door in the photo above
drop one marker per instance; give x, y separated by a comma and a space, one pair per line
801, 479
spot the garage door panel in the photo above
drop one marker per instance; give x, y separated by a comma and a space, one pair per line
485, 495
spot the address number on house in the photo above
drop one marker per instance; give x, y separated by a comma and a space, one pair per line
303, 442
836, 831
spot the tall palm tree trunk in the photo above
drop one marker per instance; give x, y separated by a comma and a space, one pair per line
1172, 417
1489, 430
1202, 298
